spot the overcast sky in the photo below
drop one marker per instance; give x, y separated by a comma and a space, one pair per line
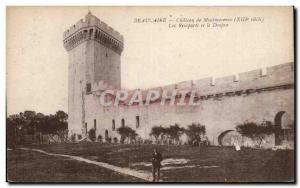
154, 55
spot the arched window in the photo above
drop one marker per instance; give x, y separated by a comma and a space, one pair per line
284, 128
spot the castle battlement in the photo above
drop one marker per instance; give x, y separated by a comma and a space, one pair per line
276, 77
93, 28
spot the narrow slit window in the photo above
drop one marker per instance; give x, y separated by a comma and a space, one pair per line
88, 87
123, 122
137, 118
85, 127
113, 125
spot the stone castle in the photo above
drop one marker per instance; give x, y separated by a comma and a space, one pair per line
94, 51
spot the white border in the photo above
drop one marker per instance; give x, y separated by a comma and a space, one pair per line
152, 2
5, 3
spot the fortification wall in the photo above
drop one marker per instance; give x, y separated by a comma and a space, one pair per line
217, 115
269, 95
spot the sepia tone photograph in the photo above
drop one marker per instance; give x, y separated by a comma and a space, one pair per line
157, 94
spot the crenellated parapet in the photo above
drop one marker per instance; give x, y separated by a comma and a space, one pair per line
279, 77
93, 29
255, 81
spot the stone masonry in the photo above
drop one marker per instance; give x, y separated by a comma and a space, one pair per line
94, 51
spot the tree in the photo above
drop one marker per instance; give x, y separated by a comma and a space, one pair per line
92, 135
255, 131
11, 132
29, 115
164, 135
126, 132
194, 133
174, 131
31, 123
157, 131
61, 116
15, 126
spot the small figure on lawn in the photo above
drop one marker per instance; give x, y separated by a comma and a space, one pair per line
156, 165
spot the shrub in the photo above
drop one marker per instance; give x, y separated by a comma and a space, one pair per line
147, 141
122, 140
79, 137
139, 140
100, 138
73, 137
164, 134
116, 140
92, 135
108, 139
127, 132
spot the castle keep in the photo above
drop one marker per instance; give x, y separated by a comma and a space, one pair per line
94, 51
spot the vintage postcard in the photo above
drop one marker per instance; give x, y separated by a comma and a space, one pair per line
150, 94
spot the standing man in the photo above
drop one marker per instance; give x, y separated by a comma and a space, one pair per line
156, 164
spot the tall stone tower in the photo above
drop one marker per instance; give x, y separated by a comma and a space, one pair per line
94, 51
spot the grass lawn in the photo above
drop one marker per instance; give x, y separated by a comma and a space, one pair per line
211, 164
30, 166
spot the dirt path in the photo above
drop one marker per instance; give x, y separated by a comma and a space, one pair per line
138, 174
